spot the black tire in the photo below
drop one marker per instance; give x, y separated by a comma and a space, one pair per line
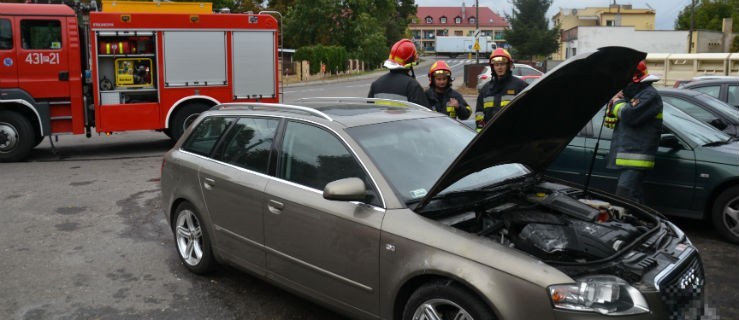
725, 214
184, 117
16, 136
192, 240
446, 301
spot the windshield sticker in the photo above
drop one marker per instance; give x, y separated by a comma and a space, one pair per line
418, 193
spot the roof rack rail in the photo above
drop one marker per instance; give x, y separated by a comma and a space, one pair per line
272, 106
377, 101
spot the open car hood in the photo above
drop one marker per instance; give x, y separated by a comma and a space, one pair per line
539, 123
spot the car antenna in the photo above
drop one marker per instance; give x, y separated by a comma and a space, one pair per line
592, 159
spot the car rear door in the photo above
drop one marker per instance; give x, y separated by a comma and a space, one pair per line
326, 249
233, 189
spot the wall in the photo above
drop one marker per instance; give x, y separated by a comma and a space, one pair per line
592, 38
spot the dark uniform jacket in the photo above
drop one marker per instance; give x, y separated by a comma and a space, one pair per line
636, 135
398, 85
438, 102
495, 95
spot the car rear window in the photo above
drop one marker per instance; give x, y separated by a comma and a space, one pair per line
204, 137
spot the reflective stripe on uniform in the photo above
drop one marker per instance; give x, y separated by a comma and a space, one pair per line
488, 102
634, 160
658, 116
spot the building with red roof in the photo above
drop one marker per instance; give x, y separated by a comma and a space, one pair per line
431, 22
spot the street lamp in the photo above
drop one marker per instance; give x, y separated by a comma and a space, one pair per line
477, 28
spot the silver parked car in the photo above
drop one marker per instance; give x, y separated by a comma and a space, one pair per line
523, 71
381, 209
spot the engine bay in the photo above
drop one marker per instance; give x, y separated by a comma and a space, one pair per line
555, 223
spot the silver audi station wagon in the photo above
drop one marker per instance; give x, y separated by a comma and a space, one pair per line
382, 209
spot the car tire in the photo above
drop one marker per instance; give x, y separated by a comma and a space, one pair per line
184, 117
192, 240
445, 300
725, 214
16, 136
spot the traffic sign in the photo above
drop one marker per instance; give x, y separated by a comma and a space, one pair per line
476, 47
477, 34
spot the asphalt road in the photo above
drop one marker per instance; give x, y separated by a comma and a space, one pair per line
84, 237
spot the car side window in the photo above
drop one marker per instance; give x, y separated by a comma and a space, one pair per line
41, 34
733, 95
249, 143
712, 91
204, 137
6, 35
313, 157
690, 108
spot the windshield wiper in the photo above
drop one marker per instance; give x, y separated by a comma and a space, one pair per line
718, 143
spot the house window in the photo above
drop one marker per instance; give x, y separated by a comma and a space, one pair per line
609, 23
458, 20
472, 20
429, 20
443, 20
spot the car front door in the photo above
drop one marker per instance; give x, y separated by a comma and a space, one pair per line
233, 188
668, 187
326, 249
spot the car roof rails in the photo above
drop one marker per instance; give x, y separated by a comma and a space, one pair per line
359, 100
271, 106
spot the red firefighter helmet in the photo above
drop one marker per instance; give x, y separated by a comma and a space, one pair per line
640, 72
500, 54
440, 67
402, 55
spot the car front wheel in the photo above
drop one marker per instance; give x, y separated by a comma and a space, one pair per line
192, 240
444, 300
725, 214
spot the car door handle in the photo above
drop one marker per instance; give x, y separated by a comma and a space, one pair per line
209, 183
275, 206
601, 155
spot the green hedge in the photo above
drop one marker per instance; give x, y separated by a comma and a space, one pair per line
335, 58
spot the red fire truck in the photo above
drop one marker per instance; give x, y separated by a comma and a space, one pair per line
65, 72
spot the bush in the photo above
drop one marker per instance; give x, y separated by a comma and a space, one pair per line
334, 57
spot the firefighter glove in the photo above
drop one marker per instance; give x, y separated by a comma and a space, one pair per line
479, 120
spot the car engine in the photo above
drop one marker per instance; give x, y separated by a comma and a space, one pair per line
554, 223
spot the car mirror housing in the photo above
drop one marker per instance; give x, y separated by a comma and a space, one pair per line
669, 141
347, 189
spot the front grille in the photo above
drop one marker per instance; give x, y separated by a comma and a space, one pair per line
682, 290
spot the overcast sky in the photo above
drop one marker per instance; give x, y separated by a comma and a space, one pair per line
666, 10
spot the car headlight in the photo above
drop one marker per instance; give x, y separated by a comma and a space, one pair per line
608, 295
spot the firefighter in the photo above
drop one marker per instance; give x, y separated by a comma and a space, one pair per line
400, 82
497, 93
442, 98
635, 115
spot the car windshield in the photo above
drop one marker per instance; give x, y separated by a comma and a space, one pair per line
693, 129
412, 155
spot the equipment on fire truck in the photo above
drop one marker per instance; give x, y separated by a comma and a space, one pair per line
131, 72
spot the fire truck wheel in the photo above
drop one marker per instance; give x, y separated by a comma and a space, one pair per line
16, 136
184, 117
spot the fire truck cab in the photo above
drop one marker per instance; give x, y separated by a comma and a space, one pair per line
67, 72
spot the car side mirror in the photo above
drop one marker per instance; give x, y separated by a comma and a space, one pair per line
347, 189
718, 123
669, 141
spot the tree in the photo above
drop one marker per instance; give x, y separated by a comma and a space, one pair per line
709, 15
366, 28
529, 33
